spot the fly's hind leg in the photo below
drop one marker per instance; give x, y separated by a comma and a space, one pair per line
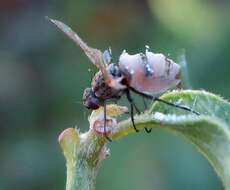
166, 102
175, 105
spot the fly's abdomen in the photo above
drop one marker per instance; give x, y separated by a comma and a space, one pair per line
149, 73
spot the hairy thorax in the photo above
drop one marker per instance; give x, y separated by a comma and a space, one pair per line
102, 90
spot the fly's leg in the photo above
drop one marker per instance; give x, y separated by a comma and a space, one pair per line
105, 123
131, 108
175, 105
147, 130
144, 102
137, 110
163, 101
132, 104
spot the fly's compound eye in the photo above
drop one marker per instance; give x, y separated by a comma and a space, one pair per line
90, 101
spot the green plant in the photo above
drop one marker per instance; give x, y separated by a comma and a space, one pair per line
209, 133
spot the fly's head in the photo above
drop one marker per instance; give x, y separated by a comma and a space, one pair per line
90, 100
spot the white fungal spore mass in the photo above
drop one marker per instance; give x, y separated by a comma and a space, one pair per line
150, 73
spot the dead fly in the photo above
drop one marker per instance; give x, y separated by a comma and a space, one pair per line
144, 74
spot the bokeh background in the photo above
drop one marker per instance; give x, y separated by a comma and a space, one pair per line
43, 75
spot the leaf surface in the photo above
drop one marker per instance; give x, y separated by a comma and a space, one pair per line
209, 132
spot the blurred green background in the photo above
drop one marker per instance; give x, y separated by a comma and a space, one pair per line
43, 75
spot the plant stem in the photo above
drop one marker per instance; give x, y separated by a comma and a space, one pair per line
84, 154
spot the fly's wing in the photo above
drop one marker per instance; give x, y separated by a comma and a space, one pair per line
94, 55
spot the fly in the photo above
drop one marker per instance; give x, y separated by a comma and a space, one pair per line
145, 74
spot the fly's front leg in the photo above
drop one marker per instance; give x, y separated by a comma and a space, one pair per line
105, 123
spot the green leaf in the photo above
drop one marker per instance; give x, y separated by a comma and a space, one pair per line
209, 132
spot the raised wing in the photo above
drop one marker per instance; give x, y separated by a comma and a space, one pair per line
94, 55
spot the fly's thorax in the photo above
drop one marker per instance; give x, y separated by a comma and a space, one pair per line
102, 89
149, 72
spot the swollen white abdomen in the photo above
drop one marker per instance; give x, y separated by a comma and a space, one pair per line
149, 73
